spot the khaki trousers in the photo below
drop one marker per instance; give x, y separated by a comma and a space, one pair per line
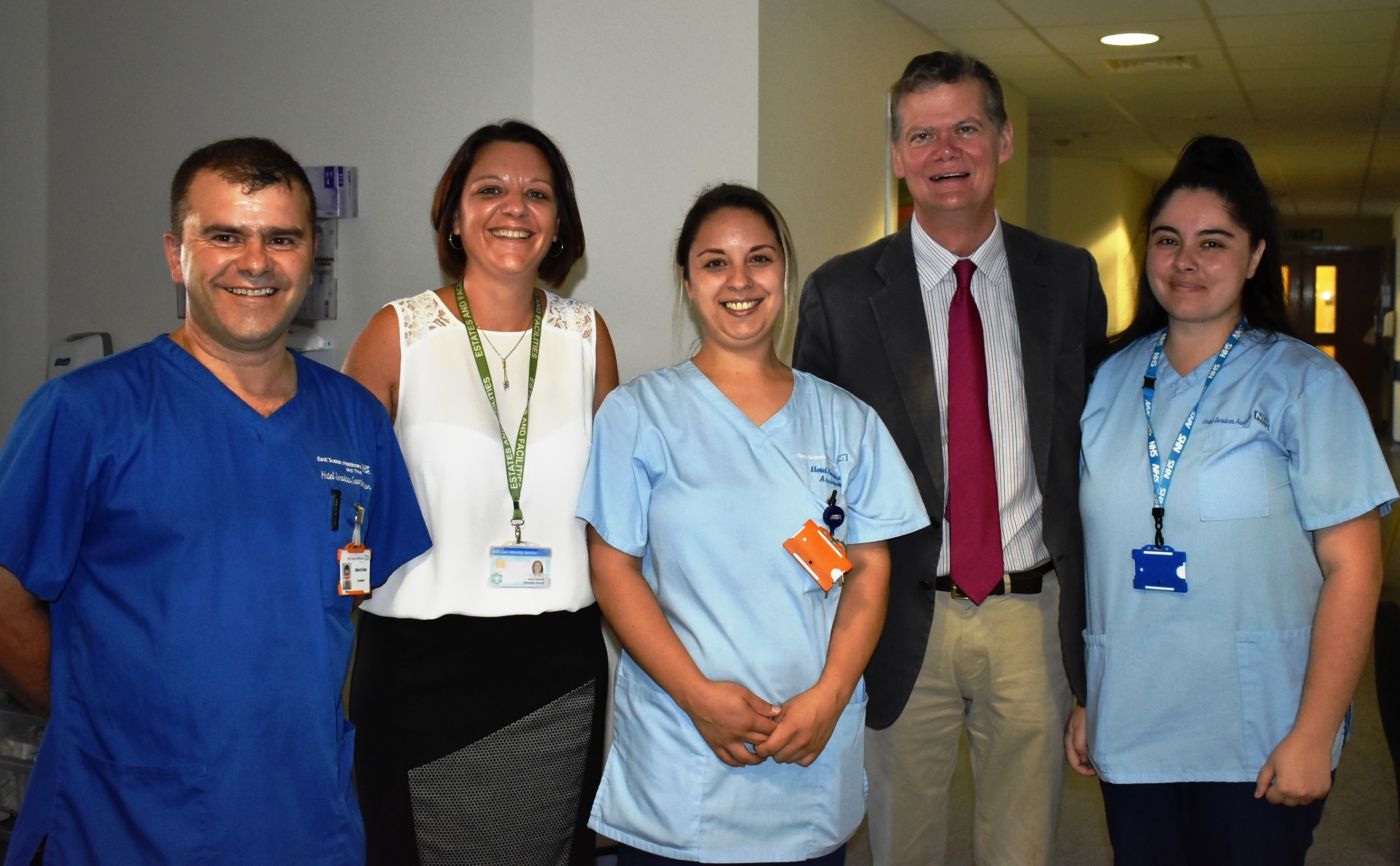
997, 670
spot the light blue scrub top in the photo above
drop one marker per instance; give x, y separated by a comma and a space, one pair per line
1201, 686
680, 477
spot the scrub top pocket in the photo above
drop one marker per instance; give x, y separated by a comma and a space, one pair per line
1270, 663
126, 809
1234, 482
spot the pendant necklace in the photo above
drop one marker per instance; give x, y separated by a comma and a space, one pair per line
505, 370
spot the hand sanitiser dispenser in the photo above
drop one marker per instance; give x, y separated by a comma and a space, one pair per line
77, 350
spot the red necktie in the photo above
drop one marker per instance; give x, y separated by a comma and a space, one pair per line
974, 517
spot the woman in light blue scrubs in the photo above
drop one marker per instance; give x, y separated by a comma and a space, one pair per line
739, 705
1231, 494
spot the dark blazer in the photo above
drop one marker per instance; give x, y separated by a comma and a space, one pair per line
862, 326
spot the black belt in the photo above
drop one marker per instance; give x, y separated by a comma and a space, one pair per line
1026, 582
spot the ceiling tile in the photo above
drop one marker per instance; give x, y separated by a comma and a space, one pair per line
1309, 28
1081, 99
1311, 78
1231, 8
1306, 108
1184, 104
938, 17
1012, 42
1034, 76
1045, 13
1317, 55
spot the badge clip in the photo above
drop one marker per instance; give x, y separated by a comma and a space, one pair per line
353, 561
820, 555
1159, 567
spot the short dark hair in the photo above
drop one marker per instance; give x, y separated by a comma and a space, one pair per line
947, 67
252, 162
1222, 166
448, 197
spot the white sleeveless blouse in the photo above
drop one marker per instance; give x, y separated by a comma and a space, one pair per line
452, 445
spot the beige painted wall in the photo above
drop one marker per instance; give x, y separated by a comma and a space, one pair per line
1095, 204
823, 142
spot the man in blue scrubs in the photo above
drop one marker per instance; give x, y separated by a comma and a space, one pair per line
170, 557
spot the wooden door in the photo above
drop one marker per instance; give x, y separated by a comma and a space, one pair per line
1334, 303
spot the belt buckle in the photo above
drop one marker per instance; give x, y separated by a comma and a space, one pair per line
956, 591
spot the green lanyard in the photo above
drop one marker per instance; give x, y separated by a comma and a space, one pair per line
515, 457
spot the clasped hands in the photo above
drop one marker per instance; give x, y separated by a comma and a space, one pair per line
743, 729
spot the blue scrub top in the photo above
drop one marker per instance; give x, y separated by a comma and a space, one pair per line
1201, 686
680, 477
185, 545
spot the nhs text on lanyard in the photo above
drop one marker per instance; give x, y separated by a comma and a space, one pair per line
1157, 566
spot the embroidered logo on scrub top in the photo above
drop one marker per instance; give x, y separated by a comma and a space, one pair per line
346, 472
824, 470
1235, 422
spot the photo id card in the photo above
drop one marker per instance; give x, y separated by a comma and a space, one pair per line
519, 566
354, 571
1159, 568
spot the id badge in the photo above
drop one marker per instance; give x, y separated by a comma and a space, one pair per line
820, 555
520, 566
1159, 568
354, 571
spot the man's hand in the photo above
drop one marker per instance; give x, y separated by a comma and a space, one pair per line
1077, 742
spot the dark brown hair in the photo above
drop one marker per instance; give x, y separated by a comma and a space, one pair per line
253, 163
1224, 167
563, 253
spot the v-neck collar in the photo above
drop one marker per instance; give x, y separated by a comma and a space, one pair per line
204, 378
726, 406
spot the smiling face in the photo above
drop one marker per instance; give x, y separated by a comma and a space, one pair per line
244, 259
735, 278
507, 217
948, 151
1198, 258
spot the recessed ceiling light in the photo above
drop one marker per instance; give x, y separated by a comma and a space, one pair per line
1122, 39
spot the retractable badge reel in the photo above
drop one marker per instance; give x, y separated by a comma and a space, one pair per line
353, 560
817, 550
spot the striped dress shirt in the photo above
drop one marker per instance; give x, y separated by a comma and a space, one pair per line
1017, 491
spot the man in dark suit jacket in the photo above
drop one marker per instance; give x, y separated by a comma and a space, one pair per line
875, 321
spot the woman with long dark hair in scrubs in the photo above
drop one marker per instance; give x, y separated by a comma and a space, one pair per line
1231, 486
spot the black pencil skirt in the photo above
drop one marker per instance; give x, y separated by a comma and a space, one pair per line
479, 739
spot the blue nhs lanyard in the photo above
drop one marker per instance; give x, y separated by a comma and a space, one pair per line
1162, 474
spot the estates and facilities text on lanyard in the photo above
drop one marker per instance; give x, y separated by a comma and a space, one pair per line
1157, 566
511, 564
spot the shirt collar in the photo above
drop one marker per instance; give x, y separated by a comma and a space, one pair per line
935, 262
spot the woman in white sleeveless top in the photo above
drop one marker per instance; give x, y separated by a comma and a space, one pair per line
480, 672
